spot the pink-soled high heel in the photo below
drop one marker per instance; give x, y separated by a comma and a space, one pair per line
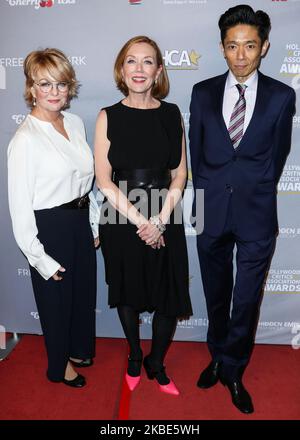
170, 388
134, 366
132, 382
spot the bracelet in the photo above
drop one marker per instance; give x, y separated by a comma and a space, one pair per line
156, 221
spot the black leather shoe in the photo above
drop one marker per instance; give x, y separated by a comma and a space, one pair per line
78, 382
240, 396
210, 376
83, 363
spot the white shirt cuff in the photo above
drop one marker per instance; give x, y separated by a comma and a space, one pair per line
46, 266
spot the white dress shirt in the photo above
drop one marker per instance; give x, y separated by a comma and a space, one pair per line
231, 96
46, 170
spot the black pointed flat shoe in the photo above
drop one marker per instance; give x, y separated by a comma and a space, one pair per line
78, 382
82, 364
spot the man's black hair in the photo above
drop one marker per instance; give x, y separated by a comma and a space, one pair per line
244, 14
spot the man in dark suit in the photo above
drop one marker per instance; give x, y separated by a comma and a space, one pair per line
240, 136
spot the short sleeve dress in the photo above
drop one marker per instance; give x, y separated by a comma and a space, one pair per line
144, 278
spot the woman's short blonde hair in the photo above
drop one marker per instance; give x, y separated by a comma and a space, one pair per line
56, 64
161, 88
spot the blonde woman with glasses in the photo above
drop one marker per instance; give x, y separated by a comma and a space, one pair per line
54, 214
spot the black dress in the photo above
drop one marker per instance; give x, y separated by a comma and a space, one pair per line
137, 275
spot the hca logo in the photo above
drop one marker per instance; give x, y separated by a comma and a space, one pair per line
46, 3
183, 60
135, 2
2, 78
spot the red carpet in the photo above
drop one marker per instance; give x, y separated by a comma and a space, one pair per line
272, 378
26, 394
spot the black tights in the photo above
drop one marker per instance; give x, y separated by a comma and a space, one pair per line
163, 328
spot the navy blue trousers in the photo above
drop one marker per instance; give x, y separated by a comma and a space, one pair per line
233, 302
67, 307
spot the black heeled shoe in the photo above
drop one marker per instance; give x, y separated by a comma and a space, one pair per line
78, 382
82, 364
165, 384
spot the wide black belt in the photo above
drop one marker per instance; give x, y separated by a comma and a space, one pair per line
146, 178
79, 203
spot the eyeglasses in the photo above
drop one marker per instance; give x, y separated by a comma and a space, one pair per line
46, 86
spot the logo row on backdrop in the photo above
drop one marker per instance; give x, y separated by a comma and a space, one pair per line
184, 59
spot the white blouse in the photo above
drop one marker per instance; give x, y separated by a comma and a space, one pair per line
46, 170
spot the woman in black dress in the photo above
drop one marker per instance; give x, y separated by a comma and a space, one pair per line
140, 150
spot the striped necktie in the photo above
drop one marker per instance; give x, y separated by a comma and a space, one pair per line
236, 123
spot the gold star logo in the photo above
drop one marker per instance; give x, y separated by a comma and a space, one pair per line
194, 57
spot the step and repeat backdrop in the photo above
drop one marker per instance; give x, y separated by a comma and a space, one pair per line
91, 32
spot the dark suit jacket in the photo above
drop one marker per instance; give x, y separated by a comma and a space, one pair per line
249, 174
